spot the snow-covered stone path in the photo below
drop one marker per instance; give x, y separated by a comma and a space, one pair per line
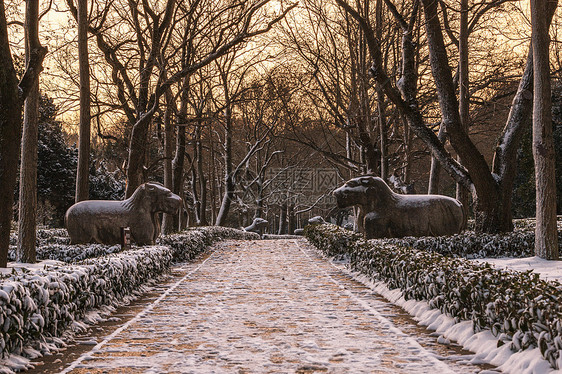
262, 306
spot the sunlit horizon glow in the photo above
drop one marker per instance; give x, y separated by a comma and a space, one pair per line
509, 32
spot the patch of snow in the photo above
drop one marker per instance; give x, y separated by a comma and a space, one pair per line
14, 362
25, 267
548, 270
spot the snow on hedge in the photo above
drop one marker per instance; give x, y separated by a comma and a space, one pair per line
37, 306
519, 243
519, 308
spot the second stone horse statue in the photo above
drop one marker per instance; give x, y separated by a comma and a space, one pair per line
385, 214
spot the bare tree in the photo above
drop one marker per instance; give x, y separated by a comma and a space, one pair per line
168, 219
463, 193
159, 35
335, 79
199, 100
232, 81
546, 232
12, 96
178, 162
491, 193
28, 168
83, 170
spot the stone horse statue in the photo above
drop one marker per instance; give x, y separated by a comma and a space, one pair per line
257, 226
385, 214
100, 221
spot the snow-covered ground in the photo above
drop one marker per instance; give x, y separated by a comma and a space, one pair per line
22, 266
484, 344
261, 306
549, 270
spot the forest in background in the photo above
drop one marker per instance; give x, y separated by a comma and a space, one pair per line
222, 101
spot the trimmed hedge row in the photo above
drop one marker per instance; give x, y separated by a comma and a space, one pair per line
39, 305
42, 304
53, 244
69, 253
519, 243
518, 307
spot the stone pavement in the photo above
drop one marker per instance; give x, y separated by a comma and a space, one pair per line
263, 306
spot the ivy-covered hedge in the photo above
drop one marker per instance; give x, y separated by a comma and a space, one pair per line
518, 307
38, 305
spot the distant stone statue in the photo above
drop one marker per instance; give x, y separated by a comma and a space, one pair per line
348, 226
257, 226
385, 214
100, 221
316, 220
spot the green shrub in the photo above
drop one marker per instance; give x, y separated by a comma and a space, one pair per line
518, 307
38, 305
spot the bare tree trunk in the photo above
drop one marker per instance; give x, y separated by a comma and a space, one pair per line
168, 219
291, 220
228, 169
435, 171
383, 135
12, 95
380, 101
82, 173
178, 169
27, 222
462, 193
407, 151
178, 163
365, 120
10, 136
28, 171
202, 180
137, 154
213, 189
195, 170
546, 234
283, 219
348, 146
178, 166
10, 124
195, 194
259, 198
505, 157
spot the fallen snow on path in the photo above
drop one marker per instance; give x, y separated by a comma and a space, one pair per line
282, 309
484, 344
264, 306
